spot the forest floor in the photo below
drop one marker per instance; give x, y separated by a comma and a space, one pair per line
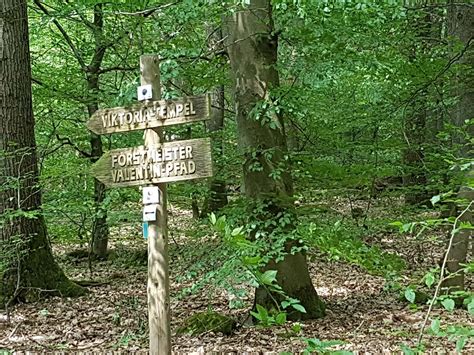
362, 312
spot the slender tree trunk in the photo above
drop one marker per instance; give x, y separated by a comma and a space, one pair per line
100, 229
415, 177
217, 187
31, 269
461, 29
252, 48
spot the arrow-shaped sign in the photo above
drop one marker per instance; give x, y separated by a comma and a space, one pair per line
173, 161
151, 115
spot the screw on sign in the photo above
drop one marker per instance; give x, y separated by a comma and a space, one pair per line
154, 164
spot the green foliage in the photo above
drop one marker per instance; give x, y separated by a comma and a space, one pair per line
268, 319
341, 241
455, 333
353, 75
12, 252
249, 253
314, 345
205, 322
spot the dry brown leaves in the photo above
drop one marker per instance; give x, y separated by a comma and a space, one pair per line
114, 316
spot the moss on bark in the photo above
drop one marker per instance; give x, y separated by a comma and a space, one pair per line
35, 273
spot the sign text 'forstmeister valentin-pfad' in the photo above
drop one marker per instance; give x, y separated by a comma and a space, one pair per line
172, 161
152, 114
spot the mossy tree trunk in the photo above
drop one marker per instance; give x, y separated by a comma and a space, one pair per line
252, 48
28, 266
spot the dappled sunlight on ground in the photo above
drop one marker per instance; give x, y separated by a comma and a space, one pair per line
361, 311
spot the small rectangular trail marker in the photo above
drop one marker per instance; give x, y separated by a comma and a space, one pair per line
151, 195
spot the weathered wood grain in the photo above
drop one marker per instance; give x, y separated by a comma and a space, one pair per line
146, 158
152, 114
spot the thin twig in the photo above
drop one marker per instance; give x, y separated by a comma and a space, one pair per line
441, 276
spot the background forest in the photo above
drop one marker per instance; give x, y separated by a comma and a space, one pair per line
342, 149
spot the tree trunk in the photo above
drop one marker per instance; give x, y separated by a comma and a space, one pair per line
461, 29
100, 229
30, 268
252, 48
217, 198
458, 253
415, 177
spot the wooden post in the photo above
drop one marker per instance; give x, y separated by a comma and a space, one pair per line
158, 259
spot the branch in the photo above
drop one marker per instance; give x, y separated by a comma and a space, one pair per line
67, 141
147, 12
107, 70
53, 89
441, 275
441, 73
71, 45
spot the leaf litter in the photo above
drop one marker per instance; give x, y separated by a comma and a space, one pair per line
361, 312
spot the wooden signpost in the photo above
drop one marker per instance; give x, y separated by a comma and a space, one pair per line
152, 114
154, 164
173, 161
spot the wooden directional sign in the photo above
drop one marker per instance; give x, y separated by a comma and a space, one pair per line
173, 161
152, 114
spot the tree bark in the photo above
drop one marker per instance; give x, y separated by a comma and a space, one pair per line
252, 48
31, 269
461, 29
415, 177
100, 229
217, 198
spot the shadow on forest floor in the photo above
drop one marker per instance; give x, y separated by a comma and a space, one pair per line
360, 312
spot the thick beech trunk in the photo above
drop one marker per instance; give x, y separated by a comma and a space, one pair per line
252, 48
30, 268
461, 28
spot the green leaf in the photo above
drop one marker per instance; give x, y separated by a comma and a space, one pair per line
213, 218
448, 303
407, 227
299, 307
251, 260
296, 328
410, 295
435, 199
237, 231
460, 343
268, 277
256, 315
429, 279
262, 312
406, 350
280, 318
435, 326
470, 307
